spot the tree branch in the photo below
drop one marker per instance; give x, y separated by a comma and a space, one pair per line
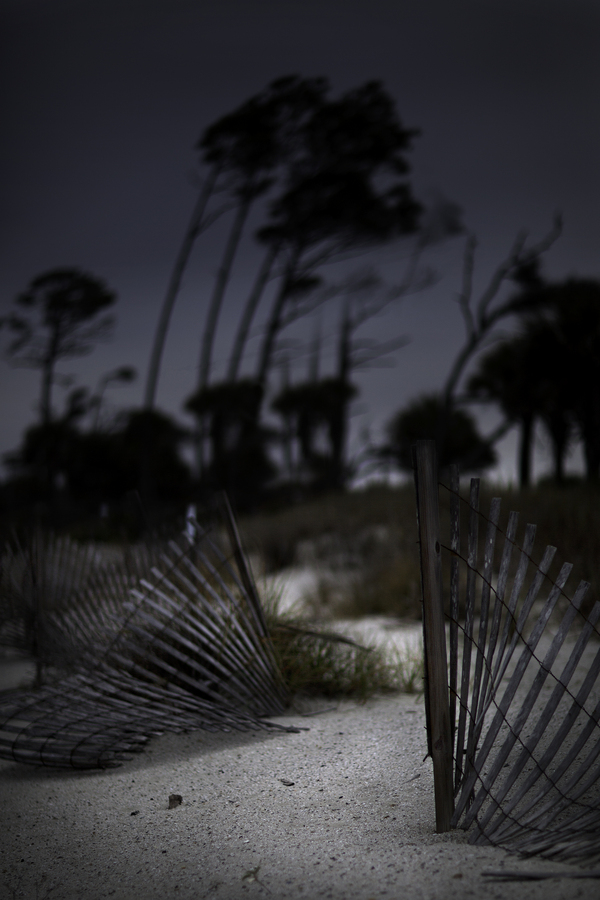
478, 326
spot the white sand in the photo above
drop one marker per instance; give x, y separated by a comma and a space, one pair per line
357, 823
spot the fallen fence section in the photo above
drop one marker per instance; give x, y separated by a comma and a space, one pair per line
170, 640
524, 684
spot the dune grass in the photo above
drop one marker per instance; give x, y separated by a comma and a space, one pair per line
315, 661
371, 537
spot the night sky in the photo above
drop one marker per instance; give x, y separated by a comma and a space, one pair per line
103, 101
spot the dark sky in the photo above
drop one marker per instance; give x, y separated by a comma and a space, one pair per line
102, 103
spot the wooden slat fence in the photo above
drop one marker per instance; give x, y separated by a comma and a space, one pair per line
170, 639
524, 684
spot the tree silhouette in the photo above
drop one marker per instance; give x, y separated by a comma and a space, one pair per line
241, 151
550, 372
569, 316
116, 377
44, 458
482, 315
336, 172
58, 318
198, 223
420, 421
245, 151
347, 192
248, 146
322, 405
575, 317
239, 460
508, 376
522, 376
170, 475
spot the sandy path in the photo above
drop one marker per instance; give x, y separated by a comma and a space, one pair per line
356, 823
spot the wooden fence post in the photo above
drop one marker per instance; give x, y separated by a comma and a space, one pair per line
434, 633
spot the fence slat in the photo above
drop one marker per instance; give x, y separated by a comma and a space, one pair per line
488, 562
506, 647
454, 591
499, 608
434, 632
472, 540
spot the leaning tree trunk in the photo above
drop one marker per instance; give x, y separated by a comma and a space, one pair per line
193, 230
559, 428
146, 484
525, 448
248, 313
275, 323
219, 292
591, 453
213, 316
46, 396
339, 415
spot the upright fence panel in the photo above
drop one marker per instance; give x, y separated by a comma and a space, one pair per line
526, 737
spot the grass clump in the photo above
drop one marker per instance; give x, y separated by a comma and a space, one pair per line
314, 661
317, 665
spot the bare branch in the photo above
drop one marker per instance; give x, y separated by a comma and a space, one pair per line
305, 308
479, 326
500, 275
365, 353
464, 298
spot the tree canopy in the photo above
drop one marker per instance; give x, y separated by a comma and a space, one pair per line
420, 420
58, 317
549, 372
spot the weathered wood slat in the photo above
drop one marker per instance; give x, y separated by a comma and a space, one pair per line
221, 634
233, 657
473, 534
200, 636
488, 561
84, 747
243, 627
499, 613
243, 567
454, 591
226, 678
440, 742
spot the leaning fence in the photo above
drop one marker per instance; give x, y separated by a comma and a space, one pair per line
512, 665
170, 639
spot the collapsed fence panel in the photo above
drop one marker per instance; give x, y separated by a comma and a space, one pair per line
170, 641
525, 715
